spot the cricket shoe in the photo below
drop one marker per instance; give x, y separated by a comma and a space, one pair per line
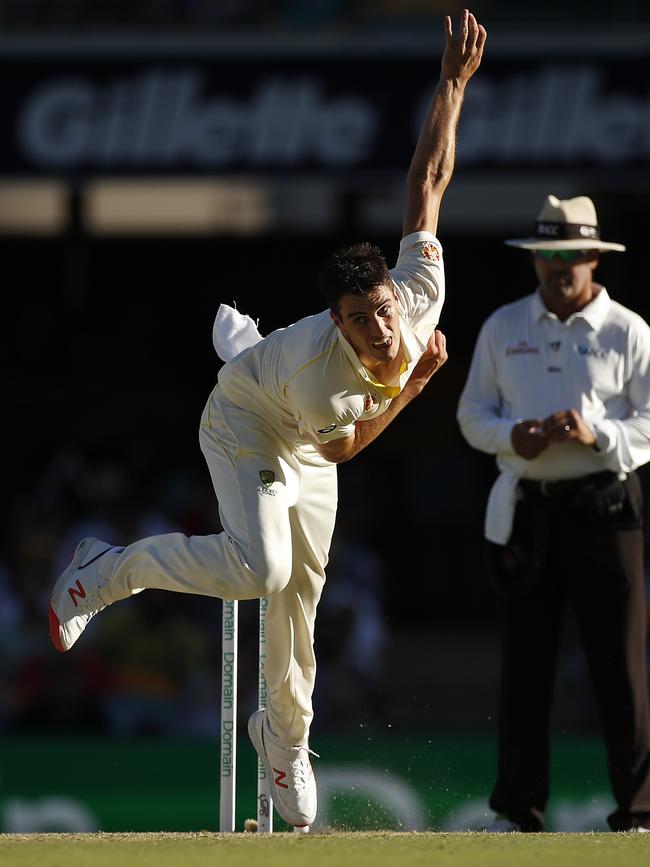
294, 787
75, 598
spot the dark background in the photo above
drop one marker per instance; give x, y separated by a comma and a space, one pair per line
108, 362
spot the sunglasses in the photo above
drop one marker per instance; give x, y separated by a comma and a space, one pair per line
564, 255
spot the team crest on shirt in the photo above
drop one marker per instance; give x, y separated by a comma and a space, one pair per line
370, 402
430, 251
267, 477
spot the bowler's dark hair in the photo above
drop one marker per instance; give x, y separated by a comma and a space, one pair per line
354, 270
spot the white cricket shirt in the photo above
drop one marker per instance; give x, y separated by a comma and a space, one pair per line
529, 364
307, 382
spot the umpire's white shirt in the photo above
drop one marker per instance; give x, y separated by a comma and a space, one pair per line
529, 364
306, 380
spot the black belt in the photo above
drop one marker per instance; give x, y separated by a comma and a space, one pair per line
567, 488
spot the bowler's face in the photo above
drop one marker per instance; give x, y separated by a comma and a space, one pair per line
371, 324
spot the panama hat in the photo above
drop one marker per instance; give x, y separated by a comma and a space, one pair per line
566, 224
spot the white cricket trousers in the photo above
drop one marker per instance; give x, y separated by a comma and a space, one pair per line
276, 539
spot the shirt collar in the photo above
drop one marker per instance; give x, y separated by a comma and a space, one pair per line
593, 313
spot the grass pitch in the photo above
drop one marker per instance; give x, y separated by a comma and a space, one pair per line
365, 849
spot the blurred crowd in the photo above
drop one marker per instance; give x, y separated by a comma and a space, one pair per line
152, 665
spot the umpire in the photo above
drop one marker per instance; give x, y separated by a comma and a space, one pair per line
559, 390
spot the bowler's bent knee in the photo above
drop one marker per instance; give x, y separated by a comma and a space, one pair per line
271, 574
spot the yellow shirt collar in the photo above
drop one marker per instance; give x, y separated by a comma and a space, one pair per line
388, 390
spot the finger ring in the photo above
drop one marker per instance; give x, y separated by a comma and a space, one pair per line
567, 427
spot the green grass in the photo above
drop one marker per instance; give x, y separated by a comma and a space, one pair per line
364, 849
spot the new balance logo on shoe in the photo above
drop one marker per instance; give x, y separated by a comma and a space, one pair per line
294, 793
280, 776
80, 592
73, 603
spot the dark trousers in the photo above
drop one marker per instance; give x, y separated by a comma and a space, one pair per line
595, 564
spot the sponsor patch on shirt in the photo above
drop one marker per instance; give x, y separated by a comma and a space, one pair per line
522, 348
429, 250
328, 429
593, 351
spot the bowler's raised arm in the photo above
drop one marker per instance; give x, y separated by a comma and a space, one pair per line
433, 160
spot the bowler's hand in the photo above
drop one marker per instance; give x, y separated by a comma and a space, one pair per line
567, 426
434, 356
528, 438
463, 53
